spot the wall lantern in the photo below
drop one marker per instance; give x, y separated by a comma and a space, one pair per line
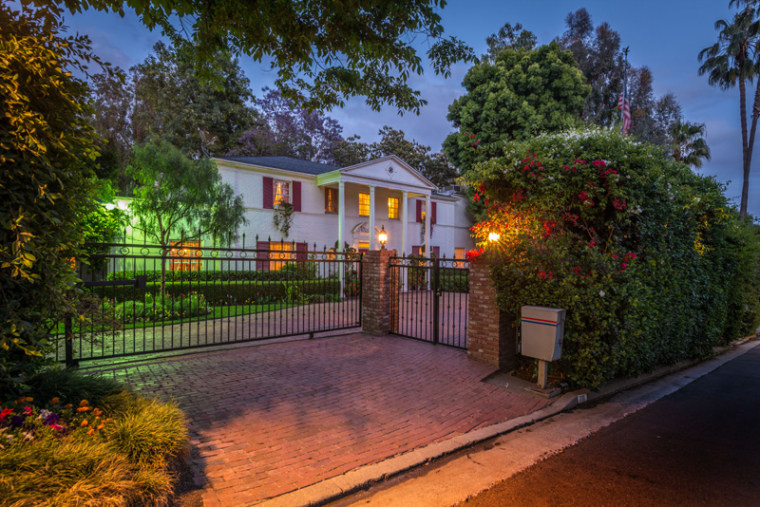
382, 237
493, 237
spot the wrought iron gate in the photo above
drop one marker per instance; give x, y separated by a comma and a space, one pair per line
431, 300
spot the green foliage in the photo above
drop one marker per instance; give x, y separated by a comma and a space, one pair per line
179, 199
221, 293
283, 218
46, 150
70, 386
324, 52
522, 93
290, 271
648, 258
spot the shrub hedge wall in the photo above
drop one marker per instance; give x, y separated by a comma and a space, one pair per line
650, 260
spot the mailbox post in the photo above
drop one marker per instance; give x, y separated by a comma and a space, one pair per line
542, 330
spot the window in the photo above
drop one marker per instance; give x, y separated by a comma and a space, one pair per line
281, 254
331, 200
183, 258
281, 192
364, 205
393, 207
459, 253
363, 246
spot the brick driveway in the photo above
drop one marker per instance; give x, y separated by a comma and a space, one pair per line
268, 419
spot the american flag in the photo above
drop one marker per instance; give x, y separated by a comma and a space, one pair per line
626, 107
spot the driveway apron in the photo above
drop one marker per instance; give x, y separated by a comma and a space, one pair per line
268, 419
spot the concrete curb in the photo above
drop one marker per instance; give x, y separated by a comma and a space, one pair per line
362, 477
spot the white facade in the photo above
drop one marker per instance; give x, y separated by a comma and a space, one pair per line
445, 231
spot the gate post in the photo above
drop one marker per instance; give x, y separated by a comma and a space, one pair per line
491, 335
378, 291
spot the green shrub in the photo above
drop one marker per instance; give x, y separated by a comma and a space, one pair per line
648, 258
221, 292
290, 271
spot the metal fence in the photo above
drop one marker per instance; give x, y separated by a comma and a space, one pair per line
144, 298
433, 296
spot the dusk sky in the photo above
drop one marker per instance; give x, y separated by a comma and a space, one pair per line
666, 36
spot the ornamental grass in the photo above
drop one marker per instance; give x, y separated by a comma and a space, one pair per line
114, 449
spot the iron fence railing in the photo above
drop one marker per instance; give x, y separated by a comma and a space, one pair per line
142, 299
432, 296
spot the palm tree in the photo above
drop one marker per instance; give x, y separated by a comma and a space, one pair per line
689, 145
729, 61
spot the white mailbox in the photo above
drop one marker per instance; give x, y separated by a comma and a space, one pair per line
542, 331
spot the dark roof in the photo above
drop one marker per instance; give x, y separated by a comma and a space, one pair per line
285, 163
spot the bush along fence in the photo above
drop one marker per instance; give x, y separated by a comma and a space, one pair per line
140, 299
651, 262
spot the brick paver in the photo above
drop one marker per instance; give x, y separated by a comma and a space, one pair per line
268, 419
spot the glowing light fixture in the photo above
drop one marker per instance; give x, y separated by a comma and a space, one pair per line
382, 237
493, 237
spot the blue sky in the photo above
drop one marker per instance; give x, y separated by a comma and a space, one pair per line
665, 35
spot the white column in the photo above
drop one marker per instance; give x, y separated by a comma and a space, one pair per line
372, 238
341, 229
341, 213
428, 253
404, 218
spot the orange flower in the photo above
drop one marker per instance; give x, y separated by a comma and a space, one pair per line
101, 426
55, 400
83, 409
84, 403
91, 432
97, 411
68, 405
84, 423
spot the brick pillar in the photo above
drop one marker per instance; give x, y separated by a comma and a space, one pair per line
379, 292
491, 338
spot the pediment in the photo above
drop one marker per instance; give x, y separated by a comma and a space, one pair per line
391, 170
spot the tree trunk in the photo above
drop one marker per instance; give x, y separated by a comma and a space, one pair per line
746, 155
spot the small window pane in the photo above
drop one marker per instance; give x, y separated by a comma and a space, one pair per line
281, 192
331, 200
281, 253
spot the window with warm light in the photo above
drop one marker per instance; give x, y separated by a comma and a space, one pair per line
363, 205
331, 200
459, 254
393, 208
182, 258
281, 192
280, 254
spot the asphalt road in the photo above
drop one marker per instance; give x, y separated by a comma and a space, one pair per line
697, 446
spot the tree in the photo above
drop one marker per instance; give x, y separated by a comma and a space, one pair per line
112, 98
180, 199
509, 37
519, 95
324, 52
732, 60
285, 129
434, 166
202, 117
46, 151
689, 145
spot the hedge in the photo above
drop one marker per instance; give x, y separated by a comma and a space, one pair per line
291, 271
223, 292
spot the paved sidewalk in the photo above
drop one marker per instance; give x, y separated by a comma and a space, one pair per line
269, 419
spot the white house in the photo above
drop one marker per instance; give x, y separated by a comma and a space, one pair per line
348, 205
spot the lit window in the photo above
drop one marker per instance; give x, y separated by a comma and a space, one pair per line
280, 254
331, 200
281, 192
363, 246
459, 253
364, 205
183, 258
393, 207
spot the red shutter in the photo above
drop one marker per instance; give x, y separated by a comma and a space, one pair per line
417, 250
268, 194
419, 210
301, 249
432, 217
296, 196
436, 250
262, 255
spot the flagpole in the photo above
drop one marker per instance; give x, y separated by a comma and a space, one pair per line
625, 90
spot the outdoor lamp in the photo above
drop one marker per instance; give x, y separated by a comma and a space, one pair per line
382, 237
493, 237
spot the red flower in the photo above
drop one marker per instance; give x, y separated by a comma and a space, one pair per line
598, 163
471, 255
591, 244
577, 270
28, 410
5, 413
619, 204
583, 195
